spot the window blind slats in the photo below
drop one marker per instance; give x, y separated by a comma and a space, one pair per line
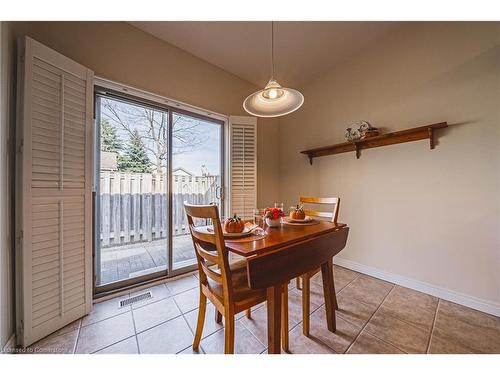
243, 152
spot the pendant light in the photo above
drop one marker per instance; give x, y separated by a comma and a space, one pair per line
273, 100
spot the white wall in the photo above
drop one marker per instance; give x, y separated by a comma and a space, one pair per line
428, 216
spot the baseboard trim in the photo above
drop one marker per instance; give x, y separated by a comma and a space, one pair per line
489, 307
10, 345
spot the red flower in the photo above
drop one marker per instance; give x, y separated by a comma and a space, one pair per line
274, 213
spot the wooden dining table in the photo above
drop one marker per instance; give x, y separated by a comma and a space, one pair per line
285, 253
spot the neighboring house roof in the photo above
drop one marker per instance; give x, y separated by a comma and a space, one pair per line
182, 171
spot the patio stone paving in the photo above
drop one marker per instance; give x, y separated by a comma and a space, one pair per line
126, 261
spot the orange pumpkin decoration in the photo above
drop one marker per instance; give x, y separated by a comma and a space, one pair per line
234, 225
297, 213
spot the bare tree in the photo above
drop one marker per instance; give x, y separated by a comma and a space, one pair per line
186, 131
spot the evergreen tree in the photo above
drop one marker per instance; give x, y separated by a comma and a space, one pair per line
110, 142
136, 158
109, 138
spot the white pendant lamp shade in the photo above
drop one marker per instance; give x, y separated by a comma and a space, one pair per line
273, 101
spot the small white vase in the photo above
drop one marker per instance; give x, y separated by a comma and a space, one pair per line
273, 223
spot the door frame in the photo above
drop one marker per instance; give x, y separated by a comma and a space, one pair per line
103, 87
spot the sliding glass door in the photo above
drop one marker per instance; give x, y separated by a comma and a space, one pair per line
149, 160
197, 164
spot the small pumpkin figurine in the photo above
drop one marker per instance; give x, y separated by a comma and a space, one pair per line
234, 225
297, 213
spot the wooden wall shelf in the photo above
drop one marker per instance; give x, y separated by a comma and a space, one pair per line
402, 136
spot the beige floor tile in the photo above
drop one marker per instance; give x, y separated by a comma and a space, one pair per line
342, 276
402, 335
369, 344
353, 310
241, 314
257, 325
244, 342
74, 326
300, 344
104, 333
158, 292
367, 289
441, 344
188, 300
316, 293
127, 346
464, 329
154, 314
402, 324
210, 326
339, 340
167, 338
411, 306
182, 284
56, 344
104, 310
295, 307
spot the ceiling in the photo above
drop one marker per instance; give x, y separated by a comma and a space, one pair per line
303, 50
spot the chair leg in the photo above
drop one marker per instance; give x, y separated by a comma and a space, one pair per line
284, 319
248, 313
228, 332
201, 320
218, 316
335, 303
297, 283
306, 297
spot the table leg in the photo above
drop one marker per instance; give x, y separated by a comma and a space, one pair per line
284, 319
329, 293
274, 319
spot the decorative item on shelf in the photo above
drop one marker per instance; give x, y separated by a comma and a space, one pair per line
366, 130
352, 134
273, 216
370, 133
297, 213
234, 225
360, 130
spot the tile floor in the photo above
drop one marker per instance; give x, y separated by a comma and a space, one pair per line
374, 317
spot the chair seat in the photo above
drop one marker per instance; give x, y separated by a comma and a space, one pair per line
241, 290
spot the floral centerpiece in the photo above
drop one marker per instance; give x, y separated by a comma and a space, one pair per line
273, 216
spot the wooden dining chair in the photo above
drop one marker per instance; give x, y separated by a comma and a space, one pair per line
306, 278
224, 284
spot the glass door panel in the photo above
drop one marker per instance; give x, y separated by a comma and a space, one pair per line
197, 176
132, 205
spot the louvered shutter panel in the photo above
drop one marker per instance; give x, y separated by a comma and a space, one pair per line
54, 186
243, 162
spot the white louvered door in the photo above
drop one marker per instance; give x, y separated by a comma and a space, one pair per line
243, 165
54, 226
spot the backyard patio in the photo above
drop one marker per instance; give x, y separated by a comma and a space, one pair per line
127, 261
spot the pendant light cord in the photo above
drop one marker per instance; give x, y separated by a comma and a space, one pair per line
272, 50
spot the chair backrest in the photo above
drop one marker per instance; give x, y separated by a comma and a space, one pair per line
332, 215
209, 247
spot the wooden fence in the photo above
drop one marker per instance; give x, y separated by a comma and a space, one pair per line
134, 206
